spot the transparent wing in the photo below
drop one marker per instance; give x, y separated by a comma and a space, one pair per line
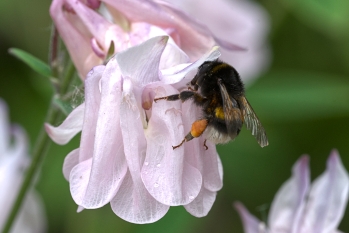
232, 114
253, 123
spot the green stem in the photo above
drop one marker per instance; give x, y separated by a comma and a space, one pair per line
39, 151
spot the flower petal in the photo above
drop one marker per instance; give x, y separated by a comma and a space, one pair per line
69, 128
70, 161
92, 103
242, 22
177, 73
192, 37
286, 209
202, 204
168, 178
102, 30
133, 202
78, 45
79, 179
141, 63
108, 167
251, 223
327, 199
4, 128
207, 161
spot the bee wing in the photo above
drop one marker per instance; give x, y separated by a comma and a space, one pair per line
232, 113
253, 123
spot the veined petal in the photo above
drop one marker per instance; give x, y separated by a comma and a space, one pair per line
327, 199
250, 222
202, 204
133, 202
141, 63
92, 103
108, 166
69, 128
286, 209
167, 177
205, 161
77, 44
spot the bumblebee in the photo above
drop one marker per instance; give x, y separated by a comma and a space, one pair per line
219, 91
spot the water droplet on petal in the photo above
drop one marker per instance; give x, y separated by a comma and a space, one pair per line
191, 197
156, 185
158, 165
146, 163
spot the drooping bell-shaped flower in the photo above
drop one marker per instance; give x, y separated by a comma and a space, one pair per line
89, 29
241, 22
13, 162
301, 208
125, 156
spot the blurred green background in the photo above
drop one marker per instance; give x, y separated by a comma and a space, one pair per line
302, 101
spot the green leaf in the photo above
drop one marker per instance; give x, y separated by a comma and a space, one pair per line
297, 95
33, 62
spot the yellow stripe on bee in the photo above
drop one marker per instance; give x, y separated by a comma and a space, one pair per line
219, 113
218, 67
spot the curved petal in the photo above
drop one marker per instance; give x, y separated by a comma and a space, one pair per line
251, 223
202, 204
327, 199
141, 62
102, 30
79, 179
242, 22
205, 161
133, 202
92, 103
69, 128
108, 166
77, 44
167, 177
212, 168
70, 161
191, 36
288, 204
177, 73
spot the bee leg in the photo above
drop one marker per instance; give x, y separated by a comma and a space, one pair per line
184, 95
206, 147
197, 128
191, 89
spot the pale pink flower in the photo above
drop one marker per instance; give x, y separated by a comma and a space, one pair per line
241, 22
125, 156
88, 34
298, 208
13, 162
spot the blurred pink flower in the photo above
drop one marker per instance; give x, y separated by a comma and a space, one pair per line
88, 34
13, 162
241, 22
298, 208
125, 156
